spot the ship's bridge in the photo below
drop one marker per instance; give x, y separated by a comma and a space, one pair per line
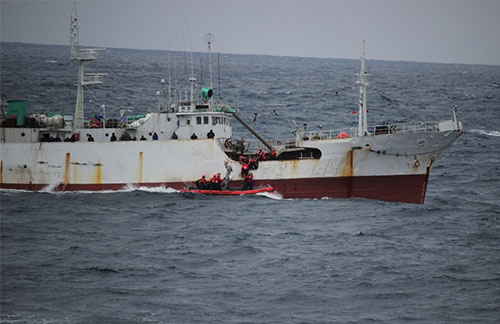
201, 123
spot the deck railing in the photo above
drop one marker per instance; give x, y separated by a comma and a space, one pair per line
87, 54
93, 78
318, 135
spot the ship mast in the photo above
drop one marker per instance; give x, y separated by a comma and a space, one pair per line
81, 56
209, 38
362, 113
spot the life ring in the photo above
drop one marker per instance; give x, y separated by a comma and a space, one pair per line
343, 135
94, 123
228, 143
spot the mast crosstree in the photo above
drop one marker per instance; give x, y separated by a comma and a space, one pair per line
82, 56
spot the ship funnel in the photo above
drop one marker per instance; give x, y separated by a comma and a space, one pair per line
206, 93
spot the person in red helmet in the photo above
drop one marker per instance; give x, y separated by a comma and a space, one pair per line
273, 154
261, 156
244, 169
247, 184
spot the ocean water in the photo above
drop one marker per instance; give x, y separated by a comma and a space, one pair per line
156, 256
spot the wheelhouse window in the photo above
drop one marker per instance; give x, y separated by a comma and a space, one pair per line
198, 120
205, 120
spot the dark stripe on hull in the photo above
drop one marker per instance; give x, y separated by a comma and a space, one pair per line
398, 188
401, 188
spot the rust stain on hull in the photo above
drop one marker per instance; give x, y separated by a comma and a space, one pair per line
98, 173
140, 166
346, 166
294, 165
66, 168
414, 168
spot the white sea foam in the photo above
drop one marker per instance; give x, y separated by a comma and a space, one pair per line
161, 189
3, 190
485, 132
128, 188
273, 195
50, 187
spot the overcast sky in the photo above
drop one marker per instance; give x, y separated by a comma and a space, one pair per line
429, 31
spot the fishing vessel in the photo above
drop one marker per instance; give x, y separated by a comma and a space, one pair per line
185, 138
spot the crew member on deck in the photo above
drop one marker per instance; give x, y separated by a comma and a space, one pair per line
242, 159
261, 156
253, 164
211, 134
193, 137
113, 137
174, 136
273, 154
155, 136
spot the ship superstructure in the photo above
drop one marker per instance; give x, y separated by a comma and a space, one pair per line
174, 144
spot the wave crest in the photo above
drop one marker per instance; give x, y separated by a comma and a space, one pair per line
485, 132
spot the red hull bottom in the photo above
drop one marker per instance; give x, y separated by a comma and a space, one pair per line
397, 188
